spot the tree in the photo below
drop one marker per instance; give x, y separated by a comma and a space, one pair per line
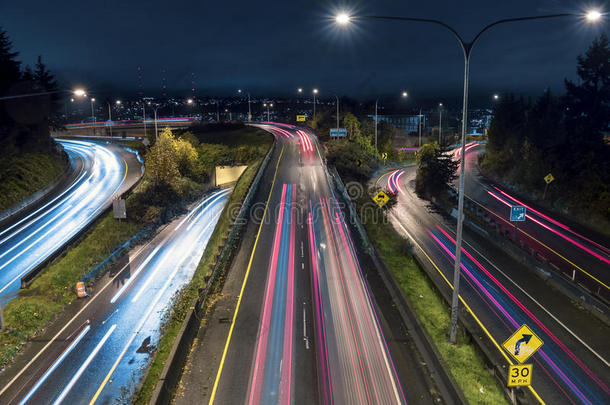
9, 66
436, 170
588, 104
161, 163
187, 159
352, 124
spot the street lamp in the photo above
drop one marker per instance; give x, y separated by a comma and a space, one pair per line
315, 91
376, 121
593, 16
268, 105
155, 108
440, 123
496, 97
92, 100
344, 19
249, 109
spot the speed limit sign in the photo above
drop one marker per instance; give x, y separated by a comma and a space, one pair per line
520, 375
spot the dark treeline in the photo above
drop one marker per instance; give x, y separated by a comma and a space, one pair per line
562, 135
25, 122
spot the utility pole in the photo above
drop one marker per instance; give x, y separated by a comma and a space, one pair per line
376, 120
419, 126
440, 123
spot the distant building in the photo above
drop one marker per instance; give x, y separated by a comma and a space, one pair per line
408, 123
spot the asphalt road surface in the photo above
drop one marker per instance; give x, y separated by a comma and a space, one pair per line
573, 364
577, 251
300, 324
98, 349
104, 171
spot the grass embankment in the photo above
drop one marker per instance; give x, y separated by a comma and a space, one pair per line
188, 294
25, 174
464, 362
37, 305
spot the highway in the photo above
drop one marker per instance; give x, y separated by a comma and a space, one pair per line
580, 253
501, 294
300, 324
97, 351
103, 172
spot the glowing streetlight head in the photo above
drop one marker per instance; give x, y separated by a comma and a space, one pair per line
342, 19
440, 104
189, 101
496, 97
239, 91
300, 90
72, 99
92, 100
405, 94
264, 104
80, 93
593, 16
271, 105
118, 102
315, 91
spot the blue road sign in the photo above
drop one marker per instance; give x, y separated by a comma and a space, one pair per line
517, 213
338, 132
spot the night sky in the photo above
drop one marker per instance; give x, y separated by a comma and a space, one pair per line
273, 47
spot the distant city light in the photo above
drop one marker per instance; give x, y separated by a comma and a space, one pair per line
342, 19
594, 15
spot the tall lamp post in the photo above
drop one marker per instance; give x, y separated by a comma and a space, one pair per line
344, 19
93, 114
249, 109
268, 105
315, 91
337, 97
376, 121
440, 123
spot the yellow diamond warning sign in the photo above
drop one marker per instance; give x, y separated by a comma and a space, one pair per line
522, 344
520, 375
381, 198
549, 178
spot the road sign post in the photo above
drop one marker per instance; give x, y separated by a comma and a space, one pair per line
1, 318
338, 132
118, 208
517, 214
547, 179
522, 344
519, 375
381, 198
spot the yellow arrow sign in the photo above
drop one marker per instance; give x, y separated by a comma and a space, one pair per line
381, 198
384, 155
522, 344
549, 178
300, 118
520, 375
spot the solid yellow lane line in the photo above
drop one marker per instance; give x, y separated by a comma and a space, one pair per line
243, 285
470, 311
542, 244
